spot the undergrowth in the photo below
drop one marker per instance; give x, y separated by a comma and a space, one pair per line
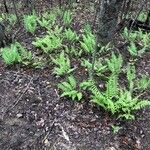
61, 45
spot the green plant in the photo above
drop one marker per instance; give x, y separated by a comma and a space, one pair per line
132, 48
115, 128
39, 62
69, 88
87, 29
55, 31
131, 75
73, 51
11, 55
130, 36
63, 63
30, 23
43, 22
141, 44
70, 35
12, 19
145, 42
115, 63
99, 68
116, 100
67, 17
143, 83
2, 17
126, 105
26, 56
86, 63
139, 41
105, 48
88, 43
86, 84
17, 54
142, 16
106, 99
48, 43
50, 17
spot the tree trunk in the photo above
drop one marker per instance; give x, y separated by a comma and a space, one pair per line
108, 19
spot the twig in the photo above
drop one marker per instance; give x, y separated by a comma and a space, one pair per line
19, 98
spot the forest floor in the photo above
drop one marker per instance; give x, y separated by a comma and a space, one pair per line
34, 117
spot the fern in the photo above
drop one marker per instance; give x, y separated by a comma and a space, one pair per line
69, 89
126, 104
97, 97
102, 99
56, 31
112, 87
70, 35
143, 83
43, 22
26, 56
88, 43
73, 50
130, 36
131, 75
30, 23
87, 29
16, 53
11, 55
116, 100
133, 49
115, 64
99, 68
86, 84
63, 65
67, 18
48, 43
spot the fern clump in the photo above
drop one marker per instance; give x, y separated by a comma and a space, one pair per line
70, 35
99, 67
11, 55
47, 20
127, 104
88, 43
115, 64
67, 18
16, 53
30, 23
116, 100
69, 88
63, 65
48, 43
131, 76
106, 99
143, 83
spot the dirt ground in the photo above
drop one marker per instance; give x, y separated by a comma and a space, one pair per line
34, 117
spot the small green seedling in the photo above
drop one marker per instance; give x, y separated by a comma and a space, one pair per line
116, 128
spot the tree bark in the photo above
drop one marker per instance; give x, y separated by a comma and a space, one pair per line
108, 19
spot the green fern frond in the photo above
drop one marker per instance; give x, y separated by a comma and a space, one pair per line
115, 63
143, 83
69, 88
63, 65
131, 75
112, 86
